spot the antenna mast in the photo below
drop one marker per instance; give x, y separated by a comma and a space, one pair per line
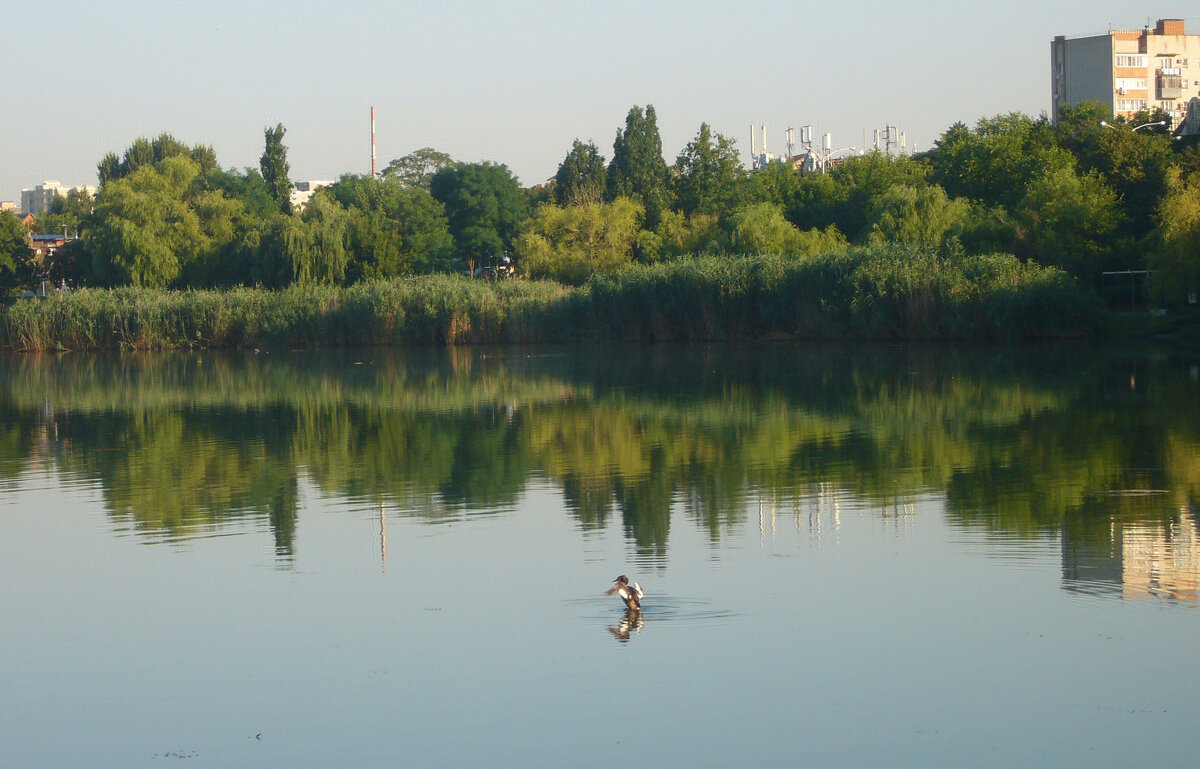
373, 169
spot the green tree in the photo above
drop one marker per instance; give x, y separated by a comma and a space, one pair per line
923, 218
637, 170
143, 152
14, 253
108, 168
394, 229
864, 178
678, 235
314, 243
571, 243
760, 228
1066, 219
144, 229
416, 169
582, 176
67, 212
708, 174
1176, 259
485, 207
274, 167
994, 162
1135, 164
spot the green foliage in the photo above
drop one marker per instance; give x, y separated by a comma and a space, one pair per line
274, 167
67, 213
760, 228
996, 161
637, 170
886, 293
1176, 259
484, 207
708, 174
1067, 220
416, 169
922, 218
394, 228
145, 229
864, 178
677, 235
582, 176
572, 243
146, 152
14, 253
1135, 164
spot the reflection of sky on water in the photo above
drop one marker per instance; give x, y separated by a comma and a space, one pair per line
829, 606
830, 632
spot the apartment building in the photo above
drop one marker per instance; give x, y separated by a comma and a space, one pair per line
38, 199
1128, 70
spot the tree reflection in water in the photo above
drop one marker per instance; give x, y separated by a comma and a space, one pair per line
1025, 441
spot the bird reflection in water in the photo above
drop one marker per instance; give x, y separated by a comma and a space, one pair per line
630, 624
632, 596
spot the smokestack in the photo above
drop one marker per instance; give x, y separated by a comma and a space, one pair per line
373, 169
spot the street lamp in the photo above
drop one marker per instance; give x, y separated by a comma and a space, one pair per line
1106, 124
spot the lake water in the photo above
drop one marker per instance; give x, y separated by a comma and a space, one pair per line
858, 557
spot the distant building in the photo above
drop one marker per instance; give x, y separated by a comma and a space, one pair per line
302, 191
38, 199
1128, 70
8, 205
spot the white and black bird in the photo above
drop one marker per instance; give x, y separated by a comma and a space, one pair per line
630, 594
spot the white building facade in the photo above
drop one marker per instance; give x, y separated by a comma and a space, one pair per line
38, 199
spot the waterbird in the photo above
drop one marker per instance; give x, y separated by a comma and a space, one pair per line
631, 595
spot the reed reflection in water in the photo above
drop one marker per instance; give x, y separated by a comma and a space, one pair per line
1100, 449
358, 557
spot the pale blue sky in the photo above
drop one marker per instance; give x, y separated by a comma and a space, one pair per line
513, 82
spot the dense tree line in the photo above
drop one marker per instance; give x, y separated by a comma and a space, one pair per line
1087, 195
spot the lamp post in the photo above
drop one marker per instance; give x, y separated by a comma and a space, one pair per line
1106, 124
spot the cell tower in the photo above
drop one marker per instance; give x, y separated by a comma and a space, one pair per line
373, 169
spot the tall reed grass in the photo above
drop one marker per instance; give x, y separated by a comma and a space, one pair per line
882, 293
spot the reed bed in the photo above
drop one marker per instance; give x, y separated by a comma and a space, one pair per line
876, 293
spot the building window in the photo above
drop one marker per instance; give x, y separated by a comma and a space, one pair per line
1131, 60
1131, 83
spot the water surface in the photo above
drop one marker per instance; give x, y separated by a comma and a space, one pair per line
868, 557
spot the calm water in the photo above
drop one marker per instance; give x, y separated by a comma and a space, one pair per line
868, 557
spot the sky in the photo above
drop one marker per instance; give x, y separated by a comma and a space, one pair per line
515, 82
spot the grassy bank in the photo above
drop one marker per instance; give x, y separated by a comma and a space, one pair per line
865, 293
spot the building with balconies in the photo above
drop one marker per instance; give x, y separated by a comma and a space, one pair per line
1128, 70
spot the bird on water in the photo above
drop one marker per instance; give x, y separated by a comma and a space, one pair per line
630, 594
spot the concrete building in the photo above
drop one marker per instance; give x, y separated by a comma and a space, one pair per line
1128, 70
303, 191
38, 199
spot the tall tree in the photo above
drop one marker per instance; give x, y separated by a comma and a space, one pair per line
582, 176
637, 170
108, 168
708, 174
417, 168
274, 167
484, 206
